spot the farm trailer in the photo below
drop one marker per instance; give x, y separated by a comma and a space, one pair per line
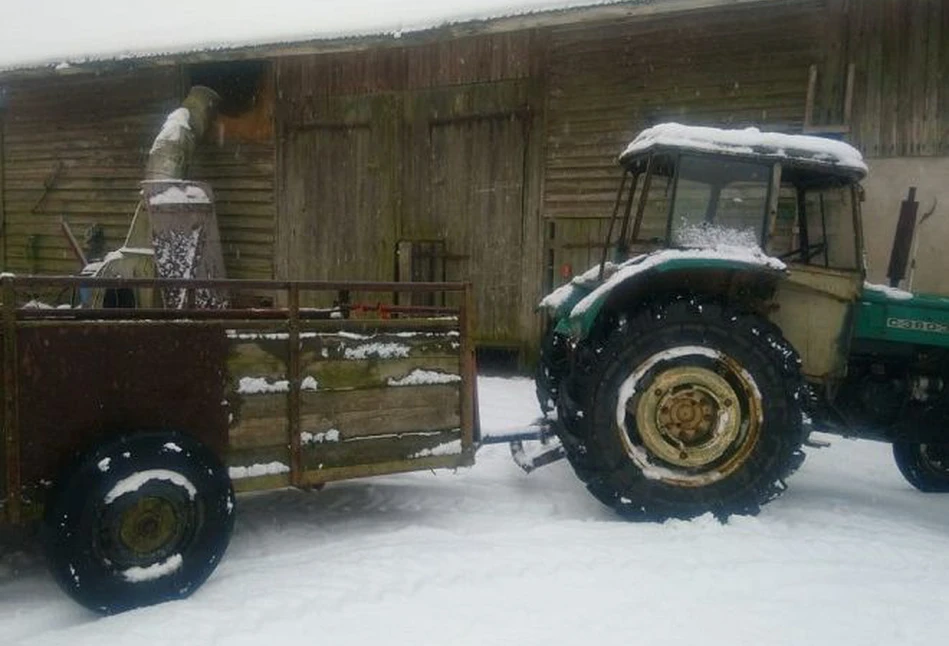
127, 431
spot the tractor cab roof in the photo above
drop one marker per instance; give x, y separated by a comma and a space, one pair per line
807, 154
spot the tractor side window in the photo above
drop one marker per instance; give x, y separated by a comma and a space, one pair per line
719, 201
652, 226
785, 236
830, 227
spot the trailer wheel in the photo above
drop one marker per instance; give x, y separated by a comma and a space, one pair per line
925, 466
692, 408
141, 519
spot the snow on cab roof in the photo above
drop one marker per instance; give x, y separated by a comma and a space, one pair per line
749, 141
74, 33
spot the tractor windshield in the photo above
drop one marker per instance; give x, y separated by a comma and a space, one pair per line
697, 201
719, 201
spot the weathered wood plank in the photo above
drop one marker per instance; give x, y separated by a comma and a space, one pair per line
381, 411
407, 446
329, 474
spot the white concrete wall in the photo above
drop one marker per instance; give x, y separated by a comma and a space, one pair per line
886, 186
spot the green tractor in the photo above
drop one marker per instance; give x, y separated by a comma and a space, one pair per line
730, 316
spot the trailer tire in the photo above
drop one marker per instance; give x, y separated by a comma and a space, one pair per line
690, 408
139, 520
925, 466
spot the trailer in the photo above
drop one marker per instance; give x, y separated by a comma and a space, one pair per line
127, 431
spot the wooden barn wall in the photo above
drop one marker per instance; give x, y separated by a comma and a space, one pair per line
728, 67
900, 50
76, 147
416, 144
240, 166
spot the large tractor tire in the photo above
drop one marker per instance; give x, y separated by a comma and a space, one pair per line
687, 408
141, 519
925, 466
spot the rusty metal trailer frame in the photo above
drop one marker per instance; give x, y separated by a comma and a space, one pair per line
16, 319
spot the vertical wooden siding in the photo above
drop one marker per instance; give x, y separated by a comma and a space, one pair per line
731, 68
901, 94
425, 142
728, 67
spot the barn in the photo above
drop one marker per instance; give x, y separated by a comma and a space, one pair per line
475, 147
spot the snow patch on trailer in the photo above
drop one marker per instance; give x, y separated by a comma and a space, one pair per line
419, 377
255, 470
448, 448
377, 350
331, 435
261, 385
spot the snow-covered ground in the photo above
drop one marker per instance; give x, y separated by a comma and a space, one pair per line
849, 555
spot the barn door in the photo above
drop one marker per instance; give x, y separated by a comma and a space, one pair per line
467, 149
339, 192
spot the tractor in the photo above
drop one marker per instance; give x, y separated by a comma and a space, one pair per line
729, 316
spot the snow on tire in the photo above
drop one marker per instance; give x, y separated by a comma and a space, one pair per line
141, 519
690, 408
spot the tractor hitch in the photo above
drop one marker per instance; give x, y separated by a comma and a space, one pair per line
531, 447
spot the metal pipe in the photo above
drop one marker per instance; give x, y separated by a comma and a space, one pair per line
171, 153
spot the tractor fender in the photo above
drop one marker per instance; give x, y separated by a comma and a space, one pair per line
699, 270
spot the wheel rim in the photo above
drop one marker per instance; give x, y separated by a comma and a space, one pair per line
935, 457
689, 416
147, 526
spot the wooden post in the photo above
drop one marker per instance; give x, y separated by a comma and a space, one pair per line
11, 429
293, 376
470, 431
3, 215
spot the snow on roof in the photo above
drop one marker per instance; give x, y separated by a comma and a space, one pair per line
72, 32
749, 141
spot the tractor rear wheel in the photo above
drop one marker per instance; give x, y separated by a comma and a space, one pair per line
691, 408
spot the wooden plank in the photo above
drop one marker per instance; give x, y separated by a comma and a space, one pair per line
319, 476
256, 358
407, 446
379, 346
348, 375
3, 190
381, 411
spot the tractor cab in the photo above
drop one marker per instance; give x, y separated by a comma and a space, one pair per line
795, 197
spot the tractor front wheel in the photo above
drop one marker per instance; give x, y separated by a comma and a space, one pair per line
925, 466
